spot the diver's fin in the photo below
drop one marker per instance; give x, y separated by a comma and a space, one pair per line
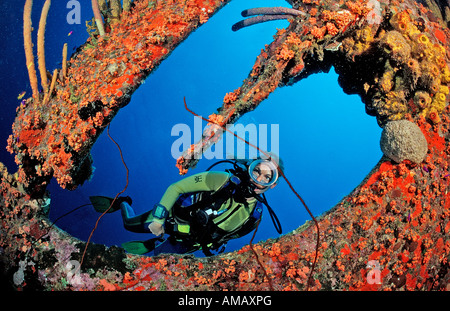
102, 204
141, 247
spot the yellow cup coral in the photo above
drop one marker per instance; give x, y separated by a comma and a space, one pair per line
422, 99
423, 39
395, 46
440, 97
443, 89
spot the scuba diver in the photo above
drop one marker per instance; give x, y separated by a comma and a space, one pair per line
202, 211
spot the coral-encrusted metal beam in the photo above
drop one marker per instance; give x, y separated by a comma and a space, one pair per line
390, 233
407, 79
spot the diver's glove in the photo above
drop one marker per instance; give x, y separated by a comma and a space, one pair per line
159, 214
156, 228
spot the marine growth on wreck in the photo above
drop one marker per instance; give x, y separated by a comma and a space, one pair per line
389, 233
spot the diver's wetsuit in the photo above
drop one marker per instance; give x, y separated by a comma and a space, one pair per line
231, 214
140, 223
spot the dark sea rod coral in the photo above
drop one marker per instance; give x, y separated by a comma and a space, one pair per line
390, 233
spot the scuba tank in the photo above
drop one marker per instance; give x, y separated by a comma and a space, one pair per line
199, 209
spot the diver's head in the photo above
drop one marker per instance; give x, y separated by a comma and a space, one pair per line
264, 172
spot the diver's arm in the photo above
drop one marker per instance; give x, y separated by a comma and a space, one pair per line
206, 181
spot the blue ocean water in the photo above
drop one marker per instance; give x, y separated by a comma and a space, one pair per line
326, 140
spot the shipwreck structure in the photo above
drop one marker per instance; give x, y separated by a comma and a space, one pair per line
390, 233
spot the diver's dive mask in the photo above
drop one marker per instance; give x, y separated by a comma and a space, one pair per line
258, 174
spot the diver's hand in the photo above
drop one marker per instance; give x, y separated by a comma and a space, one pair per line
156, 228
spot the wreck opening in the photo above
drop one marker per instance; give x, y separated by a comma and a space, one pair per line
327, 127
323, 116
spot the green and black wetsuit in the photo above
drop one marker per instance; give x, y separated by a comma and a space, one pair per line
233, 216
